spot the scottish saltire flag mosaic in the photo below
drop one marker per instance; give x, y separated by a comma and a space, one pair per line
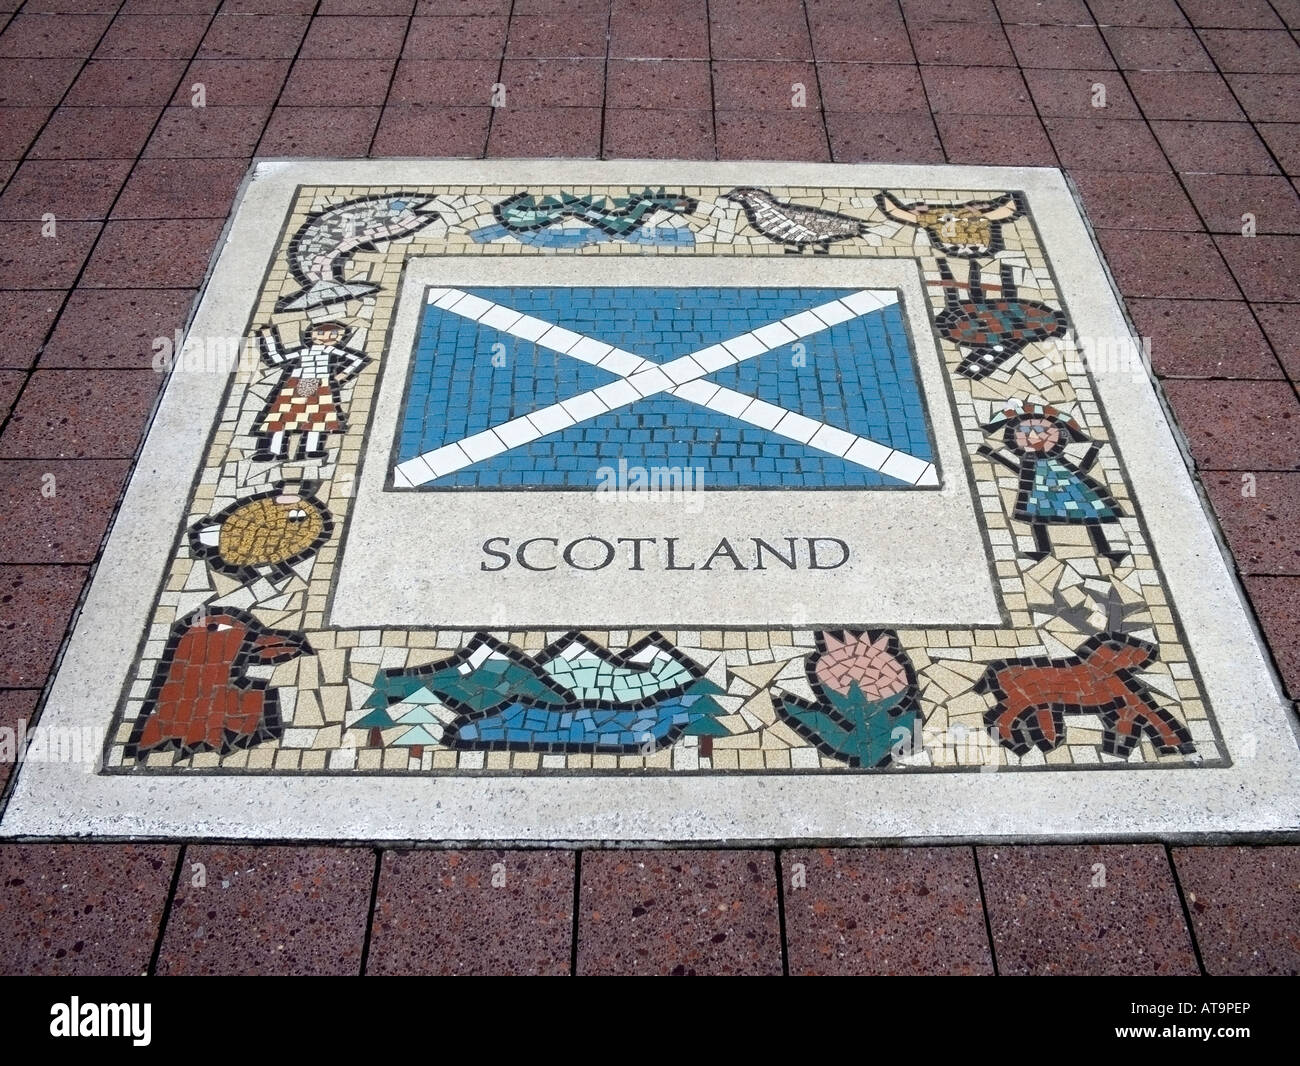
946, 576
765, 388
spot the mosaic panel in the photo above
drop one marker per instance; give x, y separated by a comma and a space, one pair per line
501, 478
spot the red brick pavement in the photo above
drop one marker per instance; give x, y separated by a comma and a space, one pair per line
1201, 126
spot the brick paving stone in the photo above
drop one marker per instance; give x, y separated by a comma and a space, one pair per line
474, 912
415, 129
52, 37
80, 414
1266, 268
28, 316
883, 138
1274, 600
252, 36
82, 909
634, 133
477, 37
872, 88
1222, 199
680, 32
961, 44
1157, 48
1015, 140
1253, 51
1073, 94
35, 605
762, 86
736, 32
1127, 13
1259, 517
19, 129
1241, 13
870, 911
1238, 425
541, 83
1105, 144
849, 35
1118, 200
25, 82
11, 382
443, 82
1044, 12
1196, 339
678, 912
186, 132
950, 10
1268, 97
1283, 139
115, 328
1214, 147
669, 83
338, 82
1184, 95
1288, 11
249, 82
1167, 264
365, 7
461, 7
95, 132
158, 36
150, 254
976, 91
181, 188
126, 82
1281, 324
357, 37
342, 132
751, 135
1059, 47
31, 261
17, 706
1243, 902
1047, 917
550, 131
65, 527
269, 910
555, 36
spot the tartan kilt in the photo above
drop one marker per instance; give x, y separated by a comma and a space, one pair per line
303, 405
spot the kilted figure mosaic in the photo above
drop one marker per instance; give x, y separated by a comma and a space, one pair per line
1053, 489
307, 400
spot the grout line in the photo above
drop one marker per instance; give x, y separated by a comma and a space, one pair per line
181, 853
817, 81
370, 912
577, 905
604, 81
1187, 914
780, 913
984, 906
501, 79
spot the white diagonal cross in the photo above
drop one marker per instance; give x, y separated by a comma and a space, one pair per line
682, 377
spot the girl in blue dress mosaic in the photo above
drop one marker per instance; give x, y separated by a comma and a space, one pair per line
1053, 489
